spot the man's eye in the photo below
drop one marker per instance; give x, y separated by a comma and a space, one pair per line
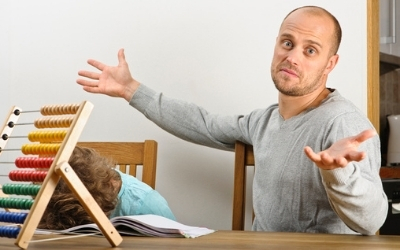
311, 51
287, 44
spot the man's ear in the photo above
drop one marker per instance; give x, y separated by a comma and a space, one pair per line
333, 60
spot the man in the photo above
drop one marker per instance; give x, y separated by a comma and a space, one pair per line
337, 190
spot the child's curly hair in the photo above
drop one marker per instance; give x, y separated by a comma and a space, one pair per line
97, 174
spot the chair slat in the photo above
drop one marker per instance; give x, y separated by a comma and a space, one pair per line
244, 156
132, 154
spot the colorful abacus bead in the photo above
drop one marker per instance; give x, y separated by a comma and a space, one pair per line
13, 217
40, 149
34, 162
21, 189
17, 203
27, 175
59, 109
54, 122
9, 231
47, 136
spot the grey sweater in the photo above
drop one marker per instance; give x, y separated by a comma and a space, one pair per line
290, 193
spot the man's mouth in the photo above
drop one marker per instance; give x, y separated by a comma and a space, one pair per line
289, 72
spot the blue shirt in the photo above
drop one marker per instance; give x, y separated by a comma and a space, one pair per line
136, 197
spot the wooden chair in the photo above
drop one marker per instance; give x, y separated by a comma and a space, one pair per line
389, 172
244, 157
130, 154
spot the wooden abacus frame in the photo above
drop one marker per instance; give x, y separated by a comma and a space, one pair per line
8, 130
61, 169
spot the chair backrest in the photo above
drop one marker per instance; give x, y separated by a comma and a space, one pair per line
244, 157
130, 154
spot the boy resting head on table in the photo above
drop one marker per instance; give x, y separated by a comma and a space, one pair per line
116, 193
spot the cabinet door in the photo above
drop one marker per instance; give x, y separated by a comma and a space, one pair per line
396, 45
389, 12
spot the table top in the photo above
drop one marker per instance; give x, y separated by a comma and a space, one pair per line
220, 240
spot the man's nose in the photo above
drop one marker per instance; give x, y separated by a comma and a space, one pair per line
294, 55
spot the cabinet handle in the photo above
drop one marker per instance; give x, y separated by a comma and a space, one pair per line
392, 37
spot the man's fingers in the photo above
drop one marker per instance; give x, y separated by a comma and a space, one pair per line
341, 162
89, 74
356, 156
93, 90
121, 56
310, 153
98, 65
326, 159
87, 83
365, 135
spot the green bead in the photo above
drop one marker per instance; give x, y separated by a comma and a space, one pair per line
5, 188
7, 202
17, 189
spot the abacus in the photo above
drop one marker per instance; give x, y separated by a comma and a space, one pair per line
46, 161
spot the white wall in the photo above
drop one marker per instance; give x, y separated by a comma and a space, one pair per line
215, 53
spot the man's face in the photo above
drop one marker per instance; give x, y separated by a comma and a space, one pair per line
302, 58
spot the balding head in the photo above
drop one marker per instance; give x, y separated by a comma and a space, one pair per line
321, 12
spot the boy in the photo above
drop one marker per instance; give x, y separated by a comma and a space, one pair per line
116, 193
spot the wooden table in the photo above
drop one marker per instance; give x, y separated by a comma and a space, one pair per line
222, 240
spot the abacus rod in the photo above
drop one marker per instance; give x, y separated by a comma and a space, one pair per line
67, 233
16, 136
29, 111
65, 237
13, 225
23, 123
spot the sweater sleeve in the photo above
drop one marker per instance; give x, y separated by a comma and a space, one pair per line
189, 121
355, 192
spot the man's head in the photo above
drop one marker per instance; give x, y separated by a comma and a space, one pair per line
305, 51
97, 174
337, 33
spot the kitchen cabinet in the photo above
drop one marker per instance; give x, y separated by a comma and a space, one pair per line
389, 12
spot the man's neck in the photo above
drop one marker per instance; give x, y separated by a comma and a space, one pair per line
290, 106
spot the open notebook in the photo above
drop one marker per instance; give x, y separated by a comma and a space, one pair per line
140, 225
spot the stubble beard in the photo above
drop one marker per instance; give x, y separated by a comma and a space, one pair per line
298, 89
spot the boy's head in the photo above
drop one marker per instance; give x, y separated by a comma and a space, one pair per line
97, 174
